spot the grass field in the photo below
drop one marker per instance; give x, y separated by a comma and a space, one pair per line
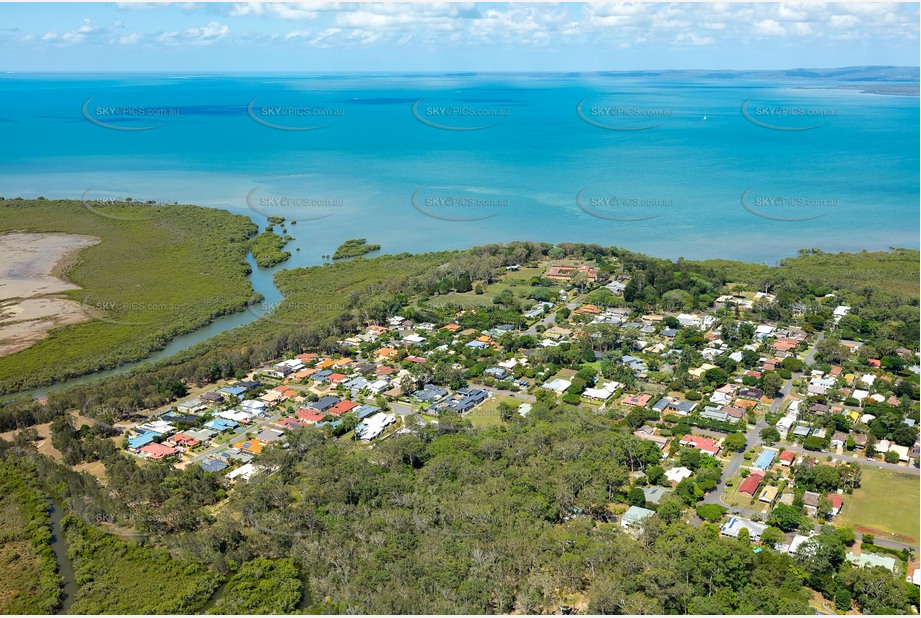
156, 273
885, 505
487, 415
517, 282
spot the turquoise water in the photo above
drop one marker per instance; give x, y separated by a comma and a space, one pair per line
374, 169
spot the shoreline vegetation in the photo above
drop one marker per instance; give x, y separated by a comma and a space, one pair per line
354, 248
157, 272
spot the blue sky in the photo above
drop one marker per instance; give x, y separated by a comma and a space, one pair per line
331, 37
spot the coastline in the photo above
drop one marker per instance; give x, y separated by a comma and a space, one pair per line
34, 274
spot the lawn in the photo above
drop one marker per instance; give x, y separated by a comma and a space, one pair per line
516, 282
885, 505
487, 415
732, 497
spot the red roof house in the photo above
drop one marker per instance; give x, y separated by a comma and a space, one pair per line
157, 451
311, 416
787, 458
751, 484
837, 501
342, 407
704, 445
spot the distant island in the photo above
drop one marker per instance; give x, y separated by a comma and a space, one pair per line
354, 248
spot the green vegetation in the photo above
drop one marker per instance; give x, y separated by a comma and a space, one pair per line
147, 281
262, 586
115, 577
521, 516
268, 249
354, 248
29, 583
887, 503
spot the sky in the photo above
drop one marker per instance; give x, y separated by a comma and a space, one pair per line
430, 37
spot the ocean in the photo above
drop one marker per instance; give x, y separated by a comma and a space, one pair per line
694, 167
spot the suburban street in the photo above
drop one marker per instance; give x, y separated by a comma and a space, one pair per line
240, 432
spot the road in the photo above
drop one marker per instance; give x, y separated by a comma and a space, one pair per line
875, 463
239, 433
753, 435
549, 319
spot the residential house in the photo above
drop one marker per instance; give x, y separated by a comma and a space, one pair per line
751, 484
787, 458
603, 392
676, 475
704, 445
870, 560
768, 494
213, 465
635, 516
655, 494
640, 401
157, 451
765, 459
734, 525
566, 273
430, 393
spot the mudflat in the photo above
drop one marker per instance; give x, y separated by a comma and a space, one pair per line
32, 277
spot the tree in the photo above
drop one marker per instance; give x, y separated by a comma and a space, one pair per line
843, 599
771, 383
636, 497
846, 535
772, 536
813, 443
263, 586
735, 442
690, 458
688, 491
904, 435
711, 512
744, 535
785, 517
770, 435
891, 457
655, 474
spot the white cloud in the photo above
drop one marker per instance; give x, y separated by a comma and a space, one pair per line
203, 35
769, 27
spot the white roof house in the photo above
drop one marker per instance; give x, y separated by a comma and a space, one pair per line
158, 426
602, 393
245, 472
676, 475
559, 385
